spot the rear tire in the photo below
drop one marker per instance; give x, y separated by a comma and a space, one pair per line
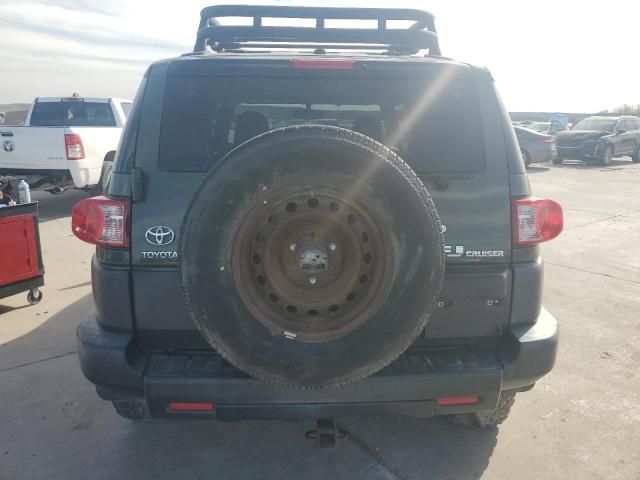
488, 419
526, 157
558, 161
131, 409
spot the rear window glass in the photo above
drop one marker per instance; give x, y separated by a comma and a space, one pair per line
72, 114
434, 124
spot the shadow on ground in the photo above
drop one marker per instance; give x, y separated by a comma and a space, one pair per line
52, 425
54, 207
536, 169
615, 164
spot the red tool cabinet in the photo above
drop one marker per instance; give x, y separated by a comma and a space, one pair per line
21, 268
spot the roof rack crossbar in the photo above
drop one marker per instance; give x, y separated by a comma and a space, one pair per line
420, 35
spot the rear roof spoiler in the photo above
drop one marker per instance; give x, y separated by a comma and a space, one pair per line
421, 34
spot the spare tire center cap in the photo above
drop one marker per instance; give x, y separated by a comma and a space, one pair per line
314, 260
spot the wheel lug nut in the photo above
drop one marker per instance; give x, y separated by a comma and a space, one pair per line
332, 246
313, 280
292, 247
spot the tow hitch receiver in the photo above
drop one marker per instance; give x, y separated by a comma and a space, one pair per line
327, 434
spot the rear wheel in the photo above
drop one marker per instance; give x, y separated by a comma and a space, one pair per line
491, 418
526, 157
558, 161
324, 264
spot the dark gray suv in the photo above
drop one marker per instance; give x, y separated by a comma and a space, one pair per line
317, 222
600, 139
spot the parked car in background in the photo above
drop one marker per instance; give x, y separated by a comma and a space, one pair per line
549, 128
599, 139
65, 142
536, 147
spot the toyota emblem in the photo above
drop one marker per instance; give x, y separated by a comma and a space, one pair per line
160, 235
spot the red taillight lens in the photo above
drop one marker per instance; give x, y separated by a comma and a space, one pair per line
102, 221
536, 220
547, 139
312, 64
73, 146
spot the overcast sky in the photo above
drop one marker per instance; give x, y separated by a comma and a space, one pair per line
546, 55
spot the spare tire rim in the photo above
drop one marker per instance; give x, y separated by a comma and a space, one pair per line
312, 263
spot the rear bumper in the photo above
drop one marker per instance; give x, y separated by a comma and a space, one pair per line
85, 177
409, 386
75, 174
546, 157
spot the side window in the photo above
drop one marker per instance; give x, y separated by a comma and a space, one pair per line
621, 125
126, 109
634, 123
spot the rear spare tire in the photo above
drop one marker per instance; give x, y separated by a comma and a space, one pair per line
311, 256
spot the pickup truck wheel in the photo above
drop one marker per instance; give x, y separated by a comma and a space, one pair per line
491, 418
311, 257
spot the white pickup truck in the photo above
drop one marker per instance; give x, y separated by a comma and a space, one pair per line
64, 143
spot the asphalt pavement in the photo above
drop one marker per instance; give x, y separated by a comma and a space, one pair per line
582, 421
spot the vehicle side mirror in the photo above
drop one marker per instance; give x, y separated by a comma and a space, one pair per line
620, 131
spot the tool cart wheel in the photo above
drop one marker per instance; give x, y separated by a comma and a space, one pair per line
34, 296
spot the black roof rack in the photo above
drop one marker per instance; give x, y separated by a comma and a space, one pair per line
421, 35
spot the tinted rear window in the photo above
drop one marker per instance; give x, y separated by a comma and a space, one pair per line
72, 114
433, 123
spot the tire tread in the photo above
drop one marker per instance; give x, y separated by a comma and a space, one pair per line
398, 164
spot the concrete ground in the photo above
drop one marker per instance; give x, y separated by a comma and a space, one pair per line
582, 421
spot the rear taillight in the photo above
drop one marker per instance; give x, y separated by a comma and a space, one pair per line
313, 64
102, 221
547, 139
536, 220
73, 146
